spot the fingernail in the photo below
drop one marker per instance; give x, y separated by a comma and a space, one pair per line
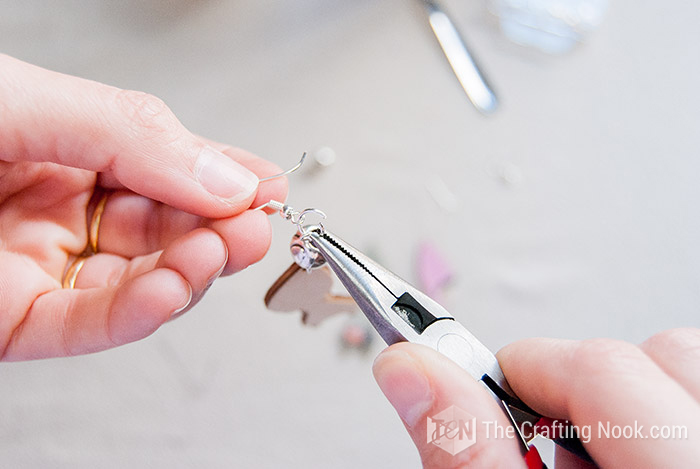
402, 382
223, 177
218, 273
179, 311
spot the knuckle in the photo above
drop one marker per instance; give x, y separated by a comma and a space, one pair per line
146, 114
606, 356
678, 340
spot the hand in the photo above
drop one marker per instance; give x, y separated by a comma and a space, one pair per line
176, 217
654, 387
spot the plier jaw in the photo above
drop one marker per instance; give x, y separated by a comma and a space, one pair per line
381, 295
400, 312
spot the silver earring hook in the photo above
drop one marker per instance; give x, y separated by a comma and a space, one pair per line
289, 171
279, 206
273, 204
295, 217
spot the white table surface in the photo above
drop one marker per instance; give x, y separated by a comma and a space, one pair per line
593, 232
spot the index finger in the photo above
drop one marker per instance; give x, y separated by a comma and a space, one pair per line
613, 393
133, 136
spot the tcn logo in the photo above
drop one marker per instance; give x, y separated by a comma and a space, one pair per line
452, 430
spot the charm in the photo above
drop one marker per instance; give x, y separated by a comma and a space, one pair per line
310, 292
306, 285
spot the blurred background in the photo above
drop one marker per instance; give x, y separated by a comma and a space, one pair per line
571, 211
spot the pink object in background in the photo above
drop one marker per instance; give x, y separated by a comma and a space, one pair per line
434, 273
356, 336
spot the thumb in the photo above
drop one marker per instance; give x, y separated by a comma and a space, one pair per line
452, 418
130, 137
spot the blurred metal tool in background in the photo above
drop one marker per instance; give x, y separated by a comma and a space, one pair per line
475, 85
